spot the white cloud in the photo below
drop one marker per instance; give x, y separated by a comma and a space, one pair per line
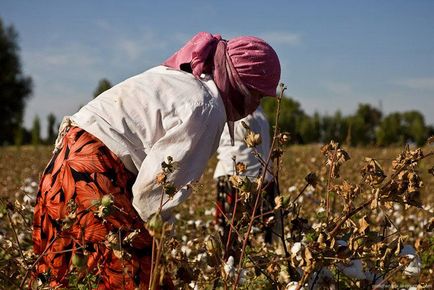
130, 48
65, 74
426, 83
103, 24
140, 46
339, 88
282, 38
67, 57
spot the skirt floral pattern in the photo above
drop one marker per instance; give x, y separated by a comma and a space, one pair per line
84, 221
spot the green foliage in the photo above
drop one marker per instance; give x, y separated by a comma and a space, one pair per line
398, 128
390, 130
15, 88
309, 128
365, 127
364, 124
36, 131
333, 128
51, 131
414, 127
90, 281
103, 85
18, 136
291, 114
427, 256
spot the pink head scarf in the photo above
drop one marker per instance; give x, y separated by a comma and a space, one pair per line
239, 67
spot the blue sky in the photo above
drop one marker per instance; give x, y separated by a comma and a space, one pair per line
334, 54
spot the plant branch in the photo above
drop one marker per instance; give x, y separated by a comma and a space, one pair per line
258, 193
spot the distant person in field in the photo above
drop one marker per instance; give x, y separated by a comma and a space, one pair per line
228, 157
100, 185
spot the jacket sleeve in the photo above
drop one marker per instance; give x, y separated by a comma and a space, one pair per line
190, 143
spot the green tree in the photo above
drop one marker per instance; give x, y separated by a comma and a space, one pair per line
15, 88
364, 124
334, 128
291, 115
103, 85
19, 136
390, 130
414, 127
36, 131
309, 128
51, 131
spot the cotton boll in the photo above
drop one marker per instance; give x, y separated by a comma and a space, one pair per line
292, 189
414, 267
17, 218
229, 267
198, 223
321, 210
293, 286
255, 230
28, 189
296, 251
353, 270
210, 211
309, 191
201, 257
29, 198
22, 237
399, 220
186, 250
296, 248
193, 285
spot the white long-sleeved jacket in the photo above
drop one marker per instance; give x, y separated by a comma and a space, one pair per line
258, 123
159, 113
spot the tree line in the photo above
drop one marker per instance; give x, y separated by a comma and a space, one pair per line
22, 136
15, 90
367, 126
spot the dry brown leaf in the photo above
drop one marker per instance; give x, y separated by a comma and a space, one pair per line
240, 167
252, 139
161, 178
363, 225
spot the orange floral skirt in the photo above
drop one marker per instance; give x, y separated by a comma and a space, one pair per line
85, 227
